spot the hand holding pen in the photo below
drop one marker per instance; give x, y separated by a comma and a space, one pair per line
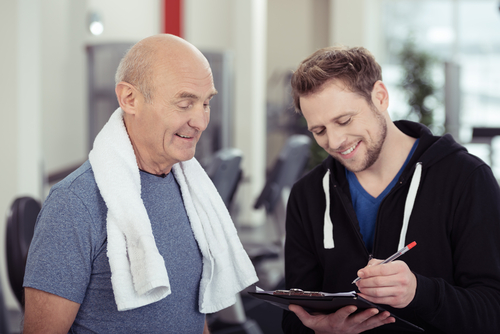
393, 257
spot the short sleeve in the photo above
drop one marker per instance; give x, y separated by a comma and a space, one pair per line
61, 252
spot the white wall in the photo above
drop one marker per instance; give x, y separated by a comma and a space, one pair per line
8, 126
64, 103
126, 21
357, 23
209, 24
250, 104
296, 28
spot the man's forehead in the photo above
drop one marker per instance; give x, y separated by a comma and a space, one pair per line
187, 80
333, 89
331, 103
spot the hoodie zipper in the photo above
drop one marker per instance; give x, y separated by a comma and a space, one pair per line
396, 187
377, 226
353, 226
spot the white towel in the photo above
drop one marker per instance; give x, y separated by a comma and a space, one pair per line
138, 273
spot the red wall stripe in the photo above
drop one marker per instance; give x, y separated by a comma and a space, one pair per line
173, 17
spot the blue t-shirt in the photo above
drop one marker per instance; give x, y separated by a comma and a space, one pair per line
68, 257
366, 206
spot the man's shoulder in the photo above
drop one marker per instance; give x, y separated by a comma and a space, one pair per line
80, 181
449, 153
314, 177
79, 188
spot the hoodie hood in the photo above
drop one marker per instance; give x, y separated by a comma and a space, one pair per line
430, 150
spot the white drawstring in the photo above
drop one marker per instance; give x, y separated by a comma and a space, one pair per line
328, 225
328, 242
410, 201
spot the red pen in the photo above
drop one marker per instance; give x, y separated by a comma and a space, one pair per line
394, 256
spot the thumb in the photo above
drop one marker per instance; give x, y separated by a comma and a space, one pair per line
302, 314
298, 310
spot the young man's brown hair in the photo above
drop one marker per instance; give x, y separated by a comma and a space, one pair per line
354, 67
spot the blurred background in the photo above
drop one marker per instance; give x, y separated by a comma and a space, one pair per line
440, 60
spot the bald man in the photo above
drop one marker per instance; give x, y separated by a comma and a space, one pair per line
164, 86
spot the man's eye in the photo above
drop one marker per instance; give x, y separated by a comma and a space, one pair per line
185, 105
346, 122
320, 132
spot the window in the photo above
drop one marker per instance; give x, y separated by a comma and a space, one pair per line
466, 32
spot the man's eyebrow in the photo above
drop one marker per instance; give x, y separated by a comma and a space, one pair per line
347, 114
187, 95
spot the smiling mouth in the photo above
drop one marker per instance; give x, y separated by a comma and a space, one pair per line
183, 136
349, 150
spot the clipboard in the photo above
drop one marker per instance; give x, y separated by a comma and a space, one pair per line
323, 302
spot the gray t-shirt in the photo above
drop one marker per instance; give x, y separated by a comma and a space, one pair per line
68, 258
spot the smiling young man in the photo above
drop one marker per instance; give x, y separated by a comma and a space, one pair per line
384, 185
137, 239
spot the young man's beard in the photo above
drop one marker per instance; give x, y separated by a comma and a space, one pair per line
372, 149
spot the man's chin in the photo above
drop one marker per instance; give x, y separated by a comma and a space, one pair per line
186, 156
351, 166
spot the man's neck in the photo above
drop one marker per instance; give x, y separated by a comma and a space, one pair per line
146, 163
150, 166
394, 152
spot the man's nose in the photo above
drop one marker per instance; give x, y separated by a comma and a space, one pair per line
200, 118
336, 139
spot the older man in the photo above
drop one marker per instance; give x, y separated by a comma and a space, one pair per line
136, 240
385, 185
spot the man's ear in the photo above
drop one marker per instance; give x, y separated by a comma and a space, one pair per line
127, 97
380, 96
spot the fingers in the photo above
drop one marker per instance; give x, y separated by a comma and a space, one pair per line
299, 311
368, 319
397, 297
347, 311
373, 262
315, 322
372, 269
391, 284
345, 320
320, 320
377, 321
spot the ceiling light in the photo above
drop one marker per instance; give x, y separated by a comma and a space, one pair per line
95, 24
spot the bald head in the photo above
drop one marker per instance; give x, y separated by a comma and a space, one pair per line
139, 67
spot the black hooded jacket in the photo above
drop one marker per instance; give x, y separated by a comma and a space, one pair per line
455, 220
